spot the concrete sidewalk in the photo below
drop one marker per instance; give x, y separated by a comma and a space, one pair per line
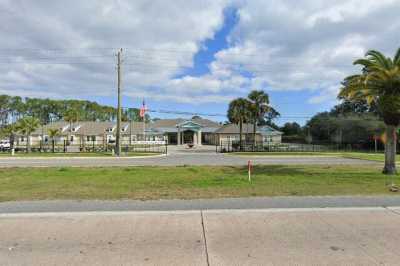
329, 236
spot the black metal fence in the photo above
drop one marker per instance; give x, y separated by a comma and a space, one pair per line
91, 148
234, 146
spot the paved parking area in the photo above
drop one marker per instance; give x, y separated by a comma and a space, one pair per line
347, 236
175, 159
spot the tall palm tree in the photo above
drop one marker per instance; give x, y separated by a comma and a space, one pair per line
26, 126
379, 84
259, 107
239, 113
53, 133
71, 116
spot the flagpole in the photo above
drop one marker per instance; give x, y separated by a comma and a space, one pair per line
144, 128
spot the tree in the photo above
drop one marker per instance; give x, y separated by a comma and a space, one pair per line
239, 113
259, 101
379, 84
290, 129
71, 116
53, 133
26, 126
10, 131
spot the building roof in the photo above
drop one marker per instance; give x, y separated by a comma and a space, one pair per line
247, 129
235, 129
89, 128
170, 125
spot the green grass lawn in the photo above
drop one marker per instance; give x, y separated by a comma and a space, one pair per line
285, 153
379, 157
189, 182
75, 154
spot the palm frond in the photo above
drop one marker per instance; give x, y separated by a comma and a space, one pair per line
378, 57
396, 60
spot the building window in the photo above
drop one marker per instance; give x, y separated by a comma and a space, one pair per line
72, 139
91, 138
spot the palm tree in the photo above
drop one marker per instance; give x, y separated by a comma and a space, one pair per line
10, 131
26, 126
53, 133
259, 107
239, 113
71, 116
379, 84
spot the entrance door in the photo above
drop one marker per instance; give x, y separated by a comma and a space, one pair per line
188, 137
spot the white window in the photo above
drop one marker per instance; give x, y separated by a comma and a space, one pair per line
125, 128
76, 128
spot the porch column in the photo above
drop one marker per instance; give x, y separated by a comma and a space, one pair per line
178, 138
195, 140
199, 138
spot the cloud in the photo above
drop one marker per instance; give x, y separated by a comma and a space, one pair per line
307, 45
53, 48
277, 45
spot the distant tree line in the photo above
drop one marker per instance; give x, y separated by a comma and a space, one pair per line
350, 122
13, 108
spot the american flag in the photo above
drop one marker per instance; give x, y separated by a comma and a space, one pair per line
143, 110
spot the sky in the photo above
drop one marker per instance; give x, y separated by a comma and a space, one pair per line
189, 55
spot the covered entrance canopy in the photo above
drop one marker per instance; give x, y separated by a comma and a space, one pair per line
189, 132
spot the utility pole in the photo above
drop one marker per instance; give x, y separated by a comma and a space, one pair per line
118, 134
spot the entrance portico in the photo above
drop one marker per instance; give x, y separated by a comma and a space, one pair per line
189, 132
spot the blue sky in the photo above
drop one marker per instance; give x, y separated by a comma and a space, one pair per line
293, 105
192, 56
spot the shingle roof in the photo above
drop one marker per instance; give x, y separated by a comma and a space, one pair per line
235, 129
165, 123
169, 125
247, 129
89, 128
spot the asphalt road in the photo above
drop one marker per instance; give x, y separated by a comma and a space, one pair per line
353, 236
199, 204
177, 159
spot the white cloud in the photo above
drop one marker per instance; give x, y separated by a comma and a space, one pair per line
279, 45
307, 45
161, 37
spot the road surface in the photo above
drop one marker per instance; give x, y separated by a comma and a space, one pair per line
198, 204
352, 236
177, 159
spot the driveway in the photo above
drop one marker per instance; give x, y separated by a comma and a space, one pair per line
176, 158
352, 236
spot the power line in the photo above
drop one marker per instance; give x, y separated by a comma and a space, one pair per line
163, 111
133, 49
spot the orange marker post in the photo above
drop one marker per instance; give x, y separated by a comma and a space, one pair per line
249, 166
